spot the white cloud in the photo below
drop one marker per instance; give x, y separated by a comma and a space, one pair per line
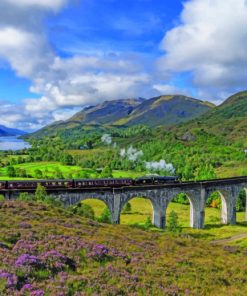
47, 4
210, 41
170, 89
62, 82
26, 52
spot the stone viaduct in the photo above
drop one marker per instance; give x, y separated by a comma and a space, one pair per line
160, 197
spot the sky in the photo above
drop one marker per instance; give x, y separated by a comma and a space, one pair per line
59, 56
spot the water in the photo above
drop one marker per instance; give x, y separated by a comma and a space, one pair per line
12, 143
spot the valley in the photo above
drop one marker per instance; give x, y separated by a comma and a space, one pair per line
197, 149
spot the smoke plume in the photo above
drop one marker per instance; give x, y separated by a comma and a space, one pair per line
131, 153
160, 166
106, 139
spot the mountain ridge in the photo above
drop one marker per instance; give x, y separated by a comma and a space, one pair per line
162, 110
8, 132
229, 119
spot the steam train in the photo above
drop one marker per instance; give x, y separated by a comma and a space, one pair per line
88, 183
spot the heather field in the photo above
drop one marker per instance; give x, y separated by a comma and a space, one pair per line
46, 250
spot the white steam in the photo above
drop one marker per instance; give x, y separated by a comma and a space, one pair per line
160, 166
106, 139
131, 153
134, 155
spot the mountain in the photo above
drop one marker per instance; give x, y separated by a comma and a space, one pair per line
228, 119
166, 110
106, 113
8, 132
162, 110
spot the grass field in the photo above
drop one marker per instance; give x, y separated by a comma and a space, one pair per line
50, 170
232, 169
91, 152
141, 209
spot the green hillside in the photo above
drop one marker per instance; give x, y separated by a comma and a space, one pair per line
210, 146
166, 110
228, 120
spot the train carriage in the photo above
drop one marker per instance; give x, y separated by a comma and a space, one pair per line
119, 182
32, 184
87, 183
3, 185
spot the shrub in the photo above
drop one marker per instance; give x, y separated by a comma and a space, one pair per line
127, 208
40, 193
182, 199
173, 224
24, 196
148, 223
84, 210
241, 201
51, 200
105, 217
214, 200
2, 198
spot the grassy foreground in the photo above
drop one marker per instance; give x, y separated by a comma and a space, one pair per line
49, 251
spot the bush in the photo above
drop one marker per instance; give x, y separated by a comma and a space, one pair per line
105, 217
2, 198
84, 210
40, 193
148, 224
241, 201
214, 200
25, 196
126, 208
51, 200
182, 199
173, 225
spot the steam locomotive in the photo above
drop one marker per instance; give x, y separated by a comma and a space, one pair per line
88, 183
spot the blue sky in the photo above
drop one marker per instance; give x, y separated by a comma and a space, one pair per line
59, 56
114, 25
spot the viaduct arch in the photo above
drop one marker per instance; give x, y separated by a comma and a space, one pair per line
160, 196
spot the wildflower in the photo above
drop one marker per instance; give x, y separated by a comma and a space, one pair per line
27, 287
26, 259
99, 252
12, 279
37, 293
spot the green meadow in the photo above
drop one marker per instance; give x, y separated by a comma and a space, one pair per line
51, 169
141, 209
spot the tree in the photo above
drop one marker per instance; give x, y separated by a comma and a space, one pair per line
107, 172
241, 201
126, 208
38, 174
84, 210
205, 172
11, 171
67, 159
105, 217
40, 193
173, 225
148, 223
22, 173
